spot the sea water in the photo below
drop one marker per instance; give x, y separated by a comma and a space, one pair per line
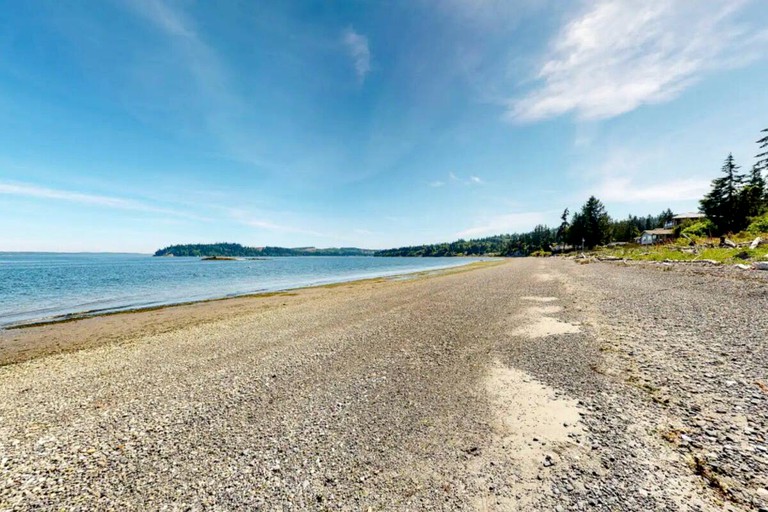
49, 286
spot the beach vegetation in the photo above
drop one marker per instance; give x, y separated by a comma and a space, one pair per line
758, 225
698, 229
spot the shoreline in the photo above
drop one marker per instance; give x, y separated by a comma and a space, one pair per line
28, 341
79, 315
519, 383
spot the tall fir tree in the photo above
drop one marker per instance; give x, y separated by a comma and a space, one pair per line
724, 203
665, 217
762, 157
754, 193
591, 226
562, 231
762, 161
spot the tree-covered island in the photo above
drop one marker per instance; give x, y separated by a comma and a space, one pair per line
240, 251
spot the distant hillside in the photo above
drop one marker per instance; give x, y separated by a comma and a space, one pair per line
501, 245
241, 251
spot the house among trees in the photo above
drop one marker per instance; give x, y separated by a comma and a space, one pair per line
661, 235
681, 218
656, 236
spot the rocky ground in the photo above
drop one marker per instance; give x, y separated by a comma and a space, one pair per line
532, 385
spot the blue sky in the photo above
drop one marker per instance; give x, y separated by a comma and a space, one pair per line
128, 125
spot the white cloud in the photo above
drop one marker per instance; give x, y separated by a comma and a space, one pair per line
207, 95
454, 178
26, 190
357, 47
171, 21
626, 190
474, 180
621, 54
247, 219
508, 223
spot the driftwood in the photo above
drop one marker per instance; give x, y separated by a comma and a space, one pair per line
756, 243
706, 262
760, 265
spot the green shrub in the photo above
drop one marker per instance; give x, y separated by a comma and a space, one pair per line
541, 253
699, 229
759, 225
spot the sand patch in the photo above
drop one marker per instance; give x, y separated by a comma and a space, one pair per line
544, 310
544, 277
532, 429
540, 299
546, 326
539, 325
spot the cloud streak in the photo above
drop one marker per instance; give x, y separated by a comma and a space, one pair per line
620, 54
357, 48
457, 180
507, 223
247, 219
625, 190
36, 192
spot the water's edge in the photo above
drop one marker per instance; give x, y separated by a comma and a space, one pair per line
151, 306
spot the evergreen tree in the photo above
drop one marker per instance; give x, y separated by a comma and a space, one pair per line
754, 193
591, 226
664, 217
625, 230
562, 231
762, 162
724, 203
762, 158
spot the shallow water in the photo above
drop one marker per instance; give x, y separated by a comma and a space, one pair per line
42, 286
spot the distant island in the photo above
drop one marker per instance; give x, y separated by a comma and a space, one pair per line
229, 250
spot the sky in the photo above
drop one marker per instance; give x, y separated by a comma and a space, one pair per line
129, 125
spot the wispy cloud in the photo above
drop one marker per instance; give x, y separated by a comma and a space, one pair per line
357, 47
507, 223
474, 180
621, 54
248, 219
631, 175
627, 190
169, 20
34, 191
209, 94
457, 180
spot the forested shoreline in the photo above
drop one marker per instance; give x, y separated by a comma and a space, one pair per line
736, 202
240, 251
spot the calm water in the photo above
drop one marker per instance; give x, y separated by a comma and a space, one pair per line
37, 286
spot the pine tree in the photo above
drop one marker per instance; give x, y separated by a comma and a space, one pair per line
562, 231
591, 226
762, 163
724, 203
754, 193
762, 158
665, 217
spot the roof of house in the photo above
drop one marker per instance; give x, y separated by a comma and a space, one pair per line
689, 215
659, 231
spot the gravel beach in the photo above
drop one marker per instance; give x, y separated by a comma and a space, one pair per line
534, 384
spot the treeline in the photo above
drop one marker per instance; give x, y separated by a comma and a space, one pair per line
736, 199
591, 225
735, 202
240, 251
